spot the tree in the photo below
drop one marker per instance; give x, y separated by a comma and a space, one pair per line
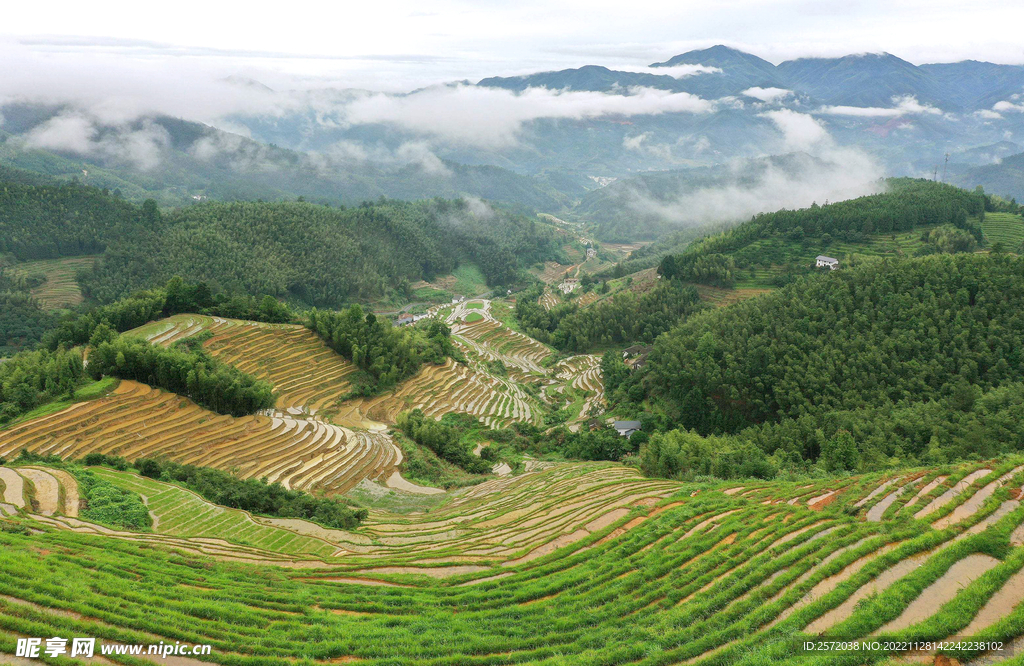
840, 453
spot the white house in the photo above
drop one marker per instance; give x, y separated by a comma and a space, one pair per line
827, 262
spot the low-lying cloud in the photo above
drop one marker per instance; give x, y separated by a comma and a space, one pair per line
141, 145
767, 94
817, 171
494, 117
800, 131
675, 71
906, 105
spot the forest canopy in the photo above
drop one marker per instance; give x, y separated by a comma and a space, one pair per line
933, 342
309, 253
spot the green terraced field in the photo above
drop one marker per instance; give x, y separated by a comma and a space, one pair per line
722, 573
60, 288
180, 512
784, 251
1005, 228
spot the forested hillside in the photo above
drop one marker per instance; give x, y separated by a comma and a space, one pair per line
309, 253
387, 354
622, 319
849, 347
191, 159
319, 255
48, 221
913, 217
651, 205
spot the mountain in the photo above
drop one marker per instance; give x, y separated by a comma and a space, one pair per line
176, 161
319, 255
650, 205
974, 84
871, 79
982, 155
740, 71
589, 77
1004, 178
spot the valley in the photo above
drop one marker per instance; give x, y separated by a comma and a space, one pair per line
398, 335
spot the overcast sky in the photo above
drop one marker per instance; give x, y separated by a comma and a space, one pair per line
403, 44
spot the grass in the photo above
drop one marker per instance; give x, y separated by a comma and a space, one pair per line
181, 512
432, 294
1005, 228
800, 254
477, 305
474, 317
469, 281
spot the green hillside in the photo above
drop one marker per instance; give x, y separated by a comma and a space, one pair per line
916, 357
198, 161
914, 217
1004, 228
309, 253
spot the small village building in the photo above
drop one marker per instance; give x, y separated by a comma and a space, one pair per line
627, 428
830, 263
569, 285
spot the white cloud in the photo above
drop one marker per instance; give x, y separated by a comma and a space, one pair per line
675, 71
419, 153
833, 179
985, 114
767, 94
480, 209
1007, 107
67, 132
820, 171
635, 142
902, 106
800, 131
140, 145
682, 151
494, 117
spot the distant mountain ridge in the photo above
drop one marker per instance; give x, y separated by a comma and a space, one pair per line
866, 80
193, 162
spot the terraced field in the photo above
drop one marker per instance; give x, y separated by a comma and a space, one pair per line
61, 286
583, 373
553, 272
490, 340
570, 564
720, 297
437, 390
549, 300
138, 421
308, 376
311, 379
1005, 228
